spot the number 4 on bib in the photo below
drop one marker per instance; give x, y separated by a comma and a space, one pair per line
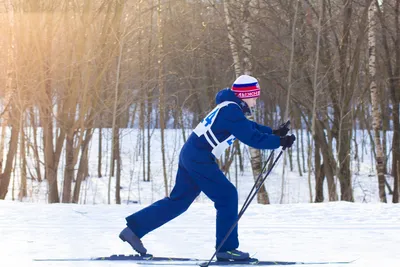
209, 118
204, 128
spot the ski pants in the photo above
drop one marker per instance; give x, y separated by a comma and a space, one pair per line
192, 178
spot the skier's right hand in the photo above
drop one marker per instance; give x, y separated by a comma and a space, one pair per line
287, 141
282, 130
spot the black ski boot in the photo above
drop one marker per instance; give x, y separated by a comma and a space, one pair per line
127, 235
232, 255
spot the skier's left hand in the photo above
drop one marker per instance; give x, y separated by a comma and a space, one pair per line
282, 130
287, 141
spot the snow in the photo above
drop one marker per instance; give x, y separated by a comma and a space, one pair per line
296, 232
367, 230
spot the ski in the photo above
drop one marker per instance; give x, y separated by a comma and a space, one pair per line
266, 263
151, 260
244, 263
123, 257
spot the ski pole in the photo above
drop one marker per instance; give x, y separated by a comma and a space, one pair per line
206, 264
257, 181
286, 124
262, 181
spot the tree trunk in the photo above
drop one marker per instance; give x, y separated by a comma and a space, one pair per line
256, 157
328, 161
35, 145
69, 168
287, 109
319, 183
385, 111
100, 152
342, 114
51, 156
52, 152
149, 95
6, 175
376, 115
298, 149
342, 104
319, 175
344, 173
397, 180
232, 41
142, 100
162, 93
395, 98
10, 86
23, 186
82, 169
115, 128
117, 156
393, 72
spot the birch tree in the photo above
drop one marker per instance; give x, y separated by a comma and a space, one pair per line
376, 114
255, 154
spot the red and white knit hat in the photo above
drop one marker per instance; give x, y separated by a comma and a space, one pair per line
246, 86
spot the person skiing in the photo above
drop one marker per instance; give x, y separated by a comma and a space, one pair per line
198, 170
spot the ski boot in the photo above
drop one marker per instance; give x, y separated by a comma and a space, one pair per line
127, 235
232, 255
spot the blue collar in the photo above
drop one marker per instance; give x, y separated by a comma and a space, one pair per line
245, 108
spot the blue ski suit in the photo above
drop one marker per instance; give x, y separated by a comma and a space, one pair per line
198, 170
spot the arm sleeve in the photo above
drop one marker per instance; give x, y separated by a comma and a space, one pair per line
263, 128
247, 131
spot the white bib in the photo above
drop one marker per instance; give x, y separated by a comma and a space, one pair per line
204, 128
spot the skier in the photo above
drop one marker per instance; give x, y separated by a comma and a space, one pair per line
198, 170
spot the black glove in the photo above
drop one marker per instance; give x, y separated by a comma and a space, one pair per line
282, 130
287, 141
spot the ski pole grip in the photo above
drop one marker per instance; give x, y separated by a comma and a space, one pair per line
287, 124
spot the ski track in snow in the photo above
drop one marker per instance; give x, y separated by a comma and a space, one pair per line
335, 231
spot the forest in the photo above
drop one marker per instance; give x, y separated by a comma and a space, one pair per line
70, 70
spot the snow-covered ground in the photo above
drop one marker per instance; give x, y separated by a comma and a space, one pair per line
297, 232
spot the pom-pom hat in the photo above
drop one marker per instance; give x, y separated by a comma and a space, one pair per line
246, 86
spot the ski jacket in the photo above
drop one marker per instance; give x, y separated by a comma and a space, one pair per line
225, 123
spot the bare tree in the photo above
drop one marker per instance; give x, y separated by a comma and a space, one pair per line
376, 115
287, 109
392, 66
161, 88
10, 85
115, 147
23, 165
319, 180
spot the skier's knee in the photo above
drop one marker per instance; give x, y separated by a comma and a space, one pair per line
232, 194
